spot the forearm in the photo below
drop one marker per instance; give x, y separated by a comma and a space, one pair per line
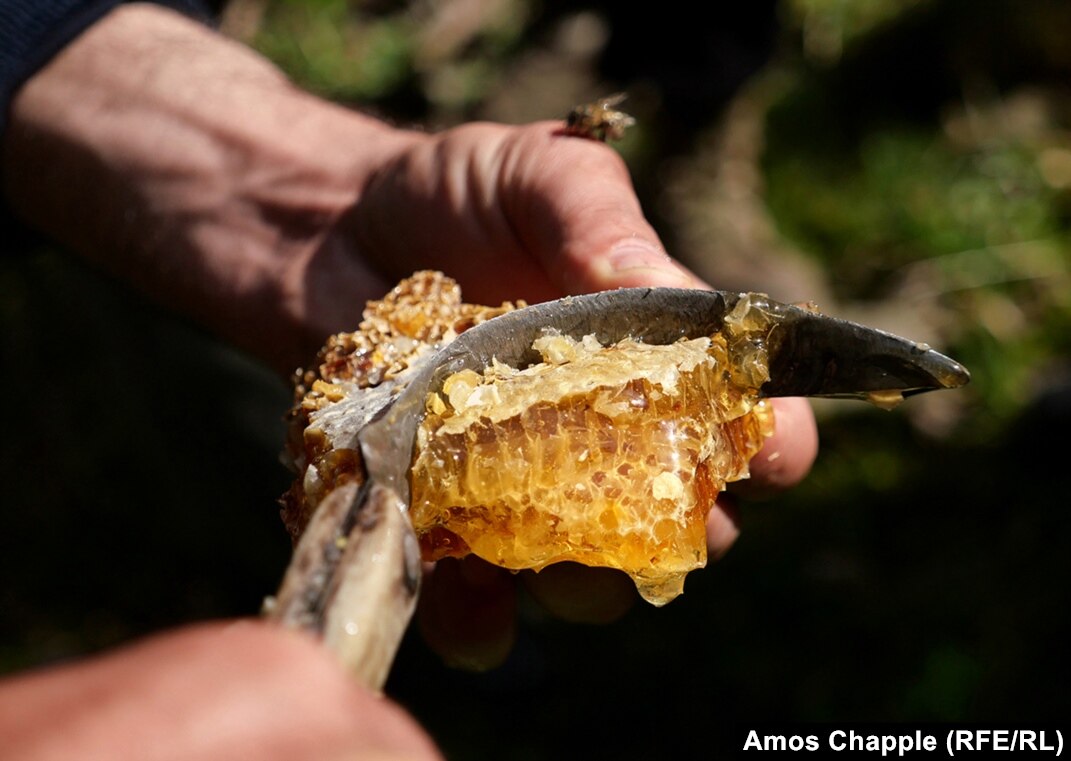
190, 166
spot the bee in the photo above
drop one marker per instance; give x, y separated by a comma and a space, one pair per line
599, 120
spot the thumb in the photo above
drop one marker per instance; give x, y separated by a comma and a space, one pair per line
584, 222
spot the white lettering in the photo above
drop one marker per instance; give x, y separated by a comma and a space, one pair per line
964, 739
1000, 740
752, 741
839, 740
779, 742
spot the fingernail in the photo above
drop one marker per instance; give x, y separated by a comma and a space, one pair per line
640, 262
637, 255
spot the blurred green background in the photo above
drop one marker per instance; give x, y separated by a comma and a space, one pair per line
906, 164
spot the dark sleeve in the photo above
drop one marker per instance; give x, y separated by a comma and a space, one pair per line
32, 31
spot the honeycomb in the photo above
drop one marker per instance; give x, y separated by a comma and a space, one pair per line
604, 455
422, 313
608, 456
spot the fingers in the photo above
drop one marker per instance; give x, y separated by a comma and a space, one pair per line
211, 692
783, 462
787, 456
543, 214
581, 594
467, 613
467, 608
723, 526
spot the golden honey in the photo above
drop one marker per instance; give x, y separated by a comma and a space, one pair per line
607, 456
604, 455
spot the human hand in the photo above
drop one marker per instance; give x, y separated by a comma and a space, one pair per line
241, 690
189, 166
528, 212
